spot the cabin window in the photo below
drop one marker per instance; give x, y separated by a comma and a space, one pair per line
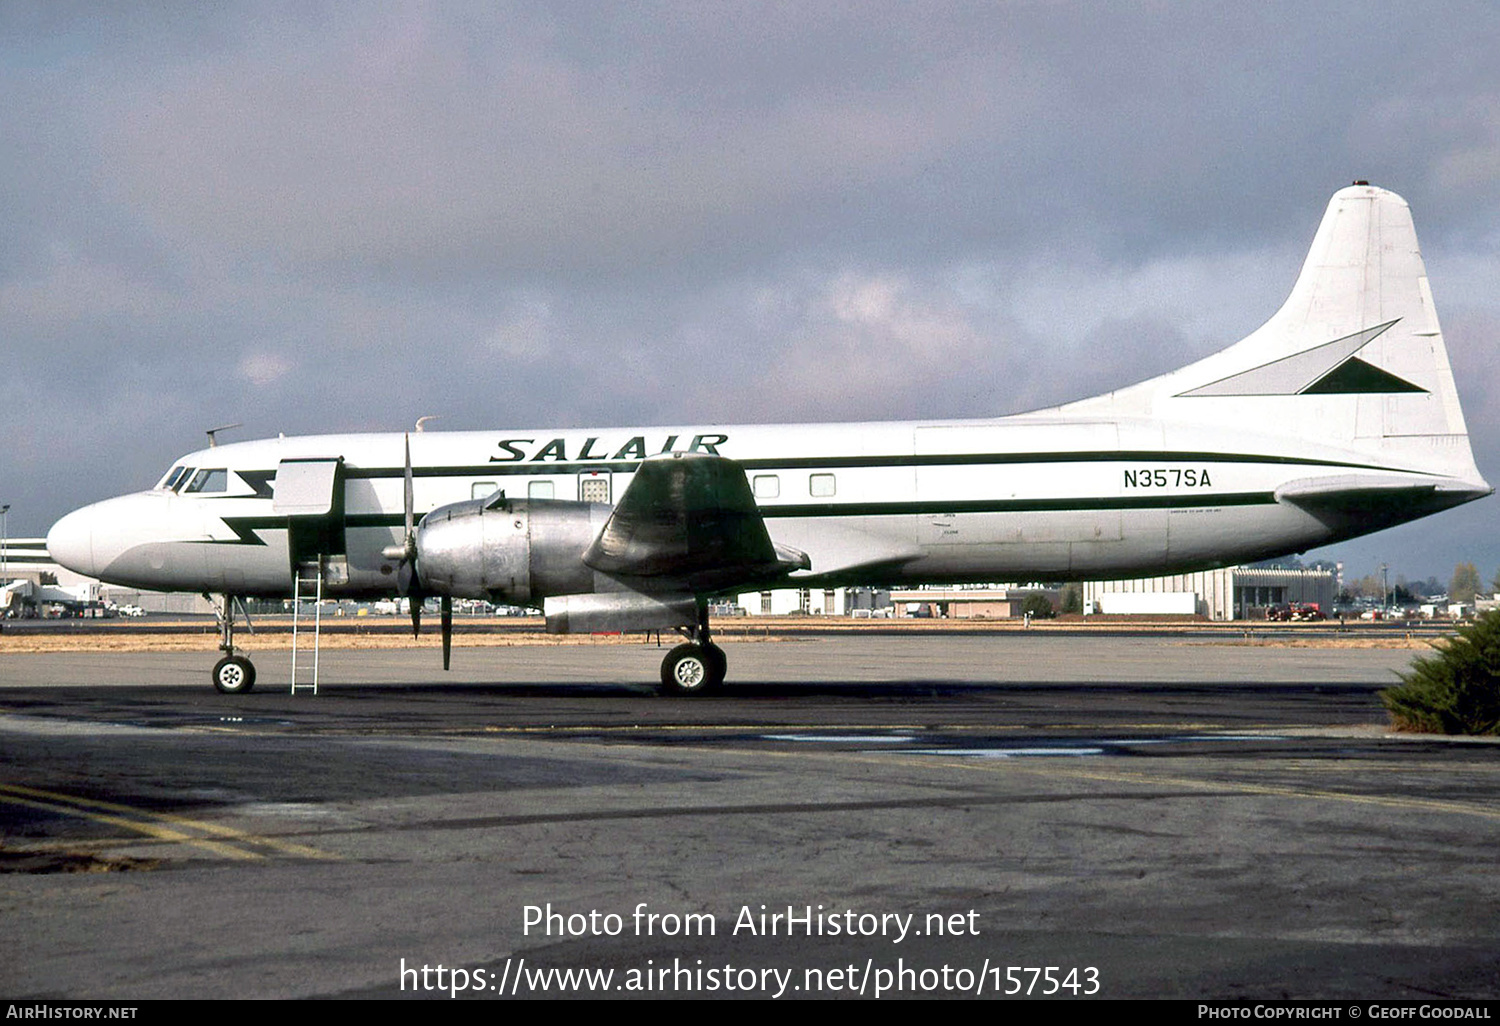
767, 486
820, 486
483, 489
541, 490
593, 487
209, 481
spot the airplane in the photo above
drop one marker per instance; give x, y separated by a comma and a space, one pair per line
1336, 418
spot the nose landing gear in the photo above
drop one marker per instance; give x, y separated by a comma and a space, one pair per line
232, 675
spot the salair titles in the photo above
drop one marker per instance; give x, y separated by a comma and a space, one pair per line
600, 448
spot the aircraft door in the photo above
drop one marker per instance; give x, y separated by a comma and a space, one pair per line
310, 494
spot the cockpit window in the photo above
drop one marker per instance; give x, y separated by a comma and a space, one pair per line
208, 481
173, 476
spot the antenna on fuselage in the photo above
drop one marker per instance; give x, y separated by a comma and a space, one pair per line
424, 420
212, 441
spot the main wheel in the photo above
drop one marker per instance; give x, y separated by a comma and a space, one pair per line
234, 675
692, 669
718, 662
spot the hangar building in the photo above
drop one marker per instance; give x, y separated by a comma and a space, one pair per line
1230, 593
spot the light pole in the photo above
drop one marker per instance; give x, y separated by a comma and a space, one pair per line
4, 545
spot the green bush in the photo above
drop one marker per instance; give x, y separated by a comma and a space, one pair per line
1037, 606
1457, 690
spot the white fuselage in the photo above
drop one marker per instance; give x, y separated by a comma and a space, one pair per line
1337, 417
1033, 496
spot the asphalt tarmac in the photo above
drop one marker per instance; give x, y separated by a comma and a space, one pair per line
1153, 816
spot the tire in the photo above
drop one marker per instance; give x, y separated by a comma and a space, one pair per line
718, 662
234, 675
691, 669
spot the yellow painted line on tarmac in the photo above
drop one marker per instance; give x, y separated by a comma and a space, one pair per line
76, 845
148, 821
150, 829
1311, 794
1470, 769
1053, 769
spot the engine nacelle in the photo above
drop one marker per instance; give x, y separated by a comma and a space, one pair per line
620, 611
511, 551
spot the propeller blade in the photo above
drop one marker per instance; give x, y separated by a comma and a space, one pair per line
408, 581
447, 606
408, 504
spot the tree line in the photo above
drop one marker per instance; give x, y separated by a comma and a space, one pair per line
1464, 586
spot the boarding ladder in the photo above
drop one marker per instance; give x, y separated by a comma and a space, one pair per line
308, 587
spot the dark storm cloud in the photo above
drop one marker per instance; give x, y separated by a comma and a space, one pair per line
340, 217
553, 143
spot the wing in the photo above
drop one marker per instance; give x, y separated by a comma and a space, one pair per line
691, 518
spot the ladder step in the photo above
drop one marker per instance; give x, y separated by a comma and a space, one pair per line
306, 589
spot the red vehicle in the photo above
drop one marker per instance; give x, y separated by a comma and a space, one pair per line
1299, 611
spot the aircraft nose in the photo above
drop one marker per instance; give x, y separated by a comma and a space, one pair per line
71, 541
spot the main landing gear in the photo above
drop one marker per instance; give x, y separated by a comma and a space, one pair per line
232, 675
697, 666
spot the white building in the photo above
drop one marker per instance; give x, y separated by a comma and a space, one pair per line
1230, 593
794, 601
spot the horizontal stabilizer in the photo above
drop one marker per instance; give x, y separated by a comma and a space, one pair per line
1355, 504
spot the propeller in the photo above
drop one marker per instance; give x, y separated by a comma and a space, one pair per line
408, 581
447, 622
413, 582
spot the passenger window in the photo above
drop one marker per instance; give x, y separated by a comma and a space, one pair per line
209, 481
820, 485
540, 490
593, 487
767, 486
483, 489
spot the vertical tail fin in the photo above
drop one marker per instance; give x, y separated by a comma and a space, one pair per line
1354, 358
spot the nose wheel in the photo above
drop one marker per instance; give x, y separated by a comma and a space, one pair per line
232, 675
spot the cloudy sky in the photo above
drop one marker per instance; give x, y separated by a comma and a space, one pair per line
322, 218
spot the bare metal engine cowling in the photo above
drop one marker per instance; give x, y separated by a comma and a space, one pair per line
511, 551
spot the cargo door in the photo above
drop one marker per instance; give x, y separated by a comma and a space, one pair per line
310, 494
